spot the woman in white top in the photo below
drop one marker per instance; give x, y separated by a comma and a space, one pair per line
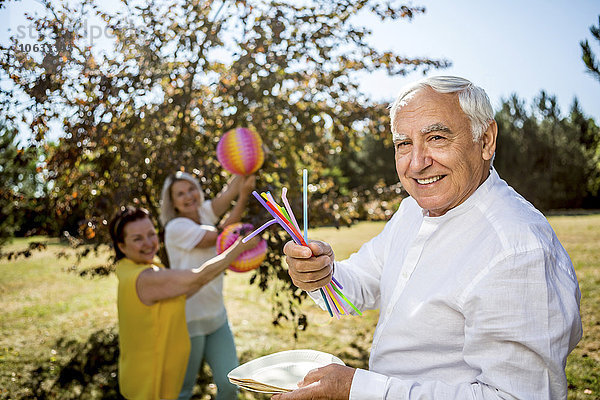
190, 236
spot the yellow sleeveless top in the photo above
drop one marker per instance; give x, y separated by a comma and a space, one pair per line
154, 343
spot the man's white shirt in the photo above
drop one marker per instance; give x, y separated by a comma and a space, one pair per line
480, 303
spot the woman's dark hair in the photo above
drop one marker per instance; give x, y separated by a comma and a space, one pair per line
125, 215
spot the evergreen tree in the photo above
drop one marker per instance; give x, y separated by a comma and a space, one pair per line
551, 160
588, 55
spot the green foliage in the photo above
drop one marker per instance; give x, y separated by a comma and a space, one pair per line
89, 370
551, 160
21, 187
85, 370
180, 75
587, 55
366, 180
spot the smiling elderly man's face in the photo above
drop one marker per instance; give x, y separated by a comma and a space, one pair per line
437, 161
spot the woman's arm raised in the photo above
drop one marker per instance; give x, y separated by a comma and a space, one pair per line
223, 199
247, 185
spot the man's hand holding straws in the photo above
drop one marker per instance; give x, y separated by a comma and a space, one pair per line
310, 268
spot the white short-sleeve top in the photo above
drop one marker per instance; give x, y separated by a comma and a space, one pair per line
205, 311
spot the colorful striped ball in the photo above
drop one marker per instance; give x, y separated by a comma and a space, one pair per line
240, 151
249, 259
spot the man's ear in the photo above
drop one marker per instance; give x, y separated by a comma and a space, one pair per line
121, 246
488, 141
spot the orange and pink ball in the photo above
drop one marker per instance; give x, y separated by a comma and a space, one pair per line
240, 151
249, 259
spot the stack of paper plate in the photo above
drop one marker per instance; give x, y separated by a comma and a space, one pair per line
279, 372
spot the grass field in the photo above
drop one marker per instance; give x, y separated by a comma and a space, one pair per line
42, 301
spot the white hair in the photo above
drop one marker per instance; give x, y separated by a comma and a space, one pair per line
473, 100
167, 209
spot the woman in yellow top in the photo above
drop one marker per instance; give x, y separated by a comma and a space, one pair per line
153, 340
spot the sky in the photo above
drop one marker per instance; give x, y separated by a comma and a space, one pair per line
506, 47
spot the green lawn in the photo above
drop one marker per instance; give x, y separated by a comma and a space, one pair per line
42, 301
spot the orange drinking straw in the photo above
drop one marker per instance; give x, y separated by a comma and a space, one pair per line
285, 218
289, 208
292, 228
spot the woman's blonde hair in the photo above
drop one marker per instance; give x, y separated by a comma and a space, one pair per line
167, 209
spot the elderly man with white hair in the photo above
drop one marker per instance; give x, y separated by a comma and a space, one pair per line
478, 299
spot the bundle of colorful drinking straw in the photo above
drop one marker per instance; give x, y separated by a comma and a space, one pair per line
284, 216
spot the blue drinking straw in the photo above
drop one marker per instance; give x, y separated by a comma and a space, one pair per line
305, 223
304, 202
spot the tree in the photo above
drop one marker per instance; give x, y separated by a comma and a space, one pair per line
22, 190
587, 132
180, 75
549, 159
586, 52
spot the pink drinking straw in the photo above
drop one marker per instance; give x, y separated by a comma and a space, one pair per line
346, 299
337, 301
289, 209
277, 217
288, 224
326, 295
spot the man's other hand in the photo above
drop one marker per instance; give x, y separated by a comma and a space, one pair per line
330, 382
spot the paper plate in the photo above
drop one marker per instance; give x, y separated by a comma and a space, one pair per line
280, 371
260, 388
254, 386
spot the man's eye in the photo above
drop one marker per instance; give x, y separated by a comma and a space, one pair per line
402, 144
437, 137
